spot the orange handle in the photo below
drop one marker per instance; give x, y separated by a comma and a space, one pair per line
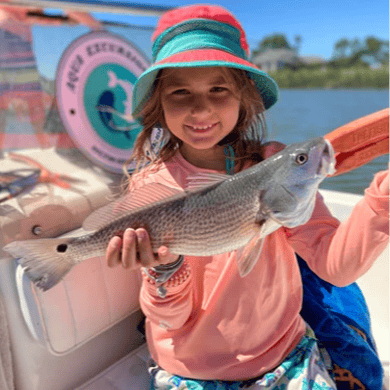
360, 141
46, 176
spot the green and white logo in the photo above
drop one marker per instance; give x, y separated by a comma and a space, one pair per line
94, 85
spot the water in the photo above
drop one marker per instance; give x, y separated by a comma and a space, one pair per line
304, 114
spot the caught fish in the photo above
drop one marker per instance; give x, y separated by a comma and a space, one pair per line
215, 214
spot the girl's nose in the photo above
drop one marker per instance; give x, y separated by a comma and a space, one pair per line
200, 105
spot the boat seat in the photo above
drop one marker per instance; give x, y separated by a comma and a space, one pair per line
88, 321
92, 297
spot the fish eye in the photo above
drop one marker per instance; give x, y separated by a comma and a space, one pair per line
301, 158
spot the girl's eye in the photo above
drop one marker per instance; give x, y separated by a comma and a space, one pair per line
180, 92
218, 89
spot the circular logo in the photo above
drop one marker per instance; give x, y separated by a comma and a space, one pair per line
94, 90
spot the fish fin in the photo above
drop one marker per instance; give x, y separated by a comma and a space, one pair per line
43, 264
247, 256
270, 226
99, 217
268, 222
140, 197
201, 180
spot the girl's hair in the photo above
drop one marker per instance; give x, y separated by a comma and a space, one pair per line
246, 137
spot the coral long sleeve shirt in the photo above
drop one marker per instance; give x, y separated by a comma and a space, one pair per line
218, 325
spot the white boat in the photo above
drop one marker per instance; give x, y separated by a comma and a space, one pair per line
83, 334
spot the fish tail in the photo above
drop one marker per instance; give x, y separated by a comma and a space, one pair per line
45, 261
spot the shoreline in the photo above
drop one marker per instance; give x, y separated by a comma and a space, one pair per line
333, 78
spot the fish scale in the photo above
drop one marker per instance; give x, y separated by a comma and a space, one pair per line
199, 225
222, 216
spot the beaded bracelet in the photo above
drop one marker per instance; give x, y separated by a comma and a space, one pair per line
171, 275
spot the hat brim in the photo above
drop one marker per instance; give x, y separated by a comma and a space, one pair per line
266, 85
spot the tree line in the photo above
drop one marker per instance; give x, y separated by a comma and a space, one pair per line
346, 52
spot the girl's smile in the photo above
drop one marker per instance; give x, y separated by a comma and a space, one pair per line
200, 128
201, 107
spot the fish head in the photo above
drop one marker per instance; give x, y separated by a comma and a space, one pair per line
296, 174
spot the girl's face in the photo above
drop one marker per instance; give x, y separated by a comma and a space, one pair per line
201, 107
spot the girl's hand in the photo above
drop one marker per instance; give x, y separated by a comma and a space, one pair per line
133, 251
384, 185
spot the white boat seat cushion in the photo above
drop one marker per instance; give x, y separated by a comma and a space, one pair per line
92, 297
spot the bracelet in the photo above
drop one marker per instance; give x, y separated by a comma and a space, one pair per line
173, 275
170, 266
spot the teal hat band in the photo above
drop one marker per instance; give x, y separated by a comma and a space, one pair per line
198, 34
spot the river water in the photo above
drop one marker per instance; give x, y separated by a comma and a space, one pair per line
303, 114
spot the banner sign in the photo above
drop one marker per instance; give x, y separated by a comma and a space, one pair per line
94, 84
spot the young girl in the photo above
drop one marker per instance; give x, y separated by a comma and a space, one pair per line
206, 326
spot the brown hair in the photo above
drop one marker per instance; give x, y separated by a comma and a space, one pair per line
246, 137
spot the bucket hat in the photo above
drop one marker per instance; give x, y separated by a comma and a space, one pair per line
200, 36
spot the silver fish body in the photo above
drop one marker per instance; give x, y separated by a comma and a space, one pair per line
212, 220
217, 218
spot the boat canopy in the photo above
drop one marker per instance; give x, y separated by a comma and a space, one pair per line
120, 7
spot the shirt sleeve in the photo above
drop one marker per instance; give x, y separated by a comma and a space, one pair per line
172, 311
342, 252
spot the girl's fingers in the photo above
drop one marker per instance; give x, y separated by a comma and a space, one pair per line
113, 253
134, 250
146, 256
129, 249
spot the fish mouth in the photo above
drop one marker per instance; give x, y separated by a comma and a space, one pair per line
327, 163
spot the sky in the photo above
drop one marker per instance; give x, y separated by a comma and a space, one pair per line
319, 23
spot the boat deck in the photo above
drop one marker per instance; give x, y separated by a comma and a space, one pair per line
128, 373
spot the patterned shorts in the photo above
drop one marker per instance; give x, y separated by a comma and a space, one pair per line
306, 368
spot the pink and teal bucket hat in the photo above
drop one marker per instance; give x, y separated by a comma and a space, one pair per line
201, 36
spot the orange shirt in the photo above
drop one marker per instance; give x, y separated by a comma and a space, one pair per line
217, 325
